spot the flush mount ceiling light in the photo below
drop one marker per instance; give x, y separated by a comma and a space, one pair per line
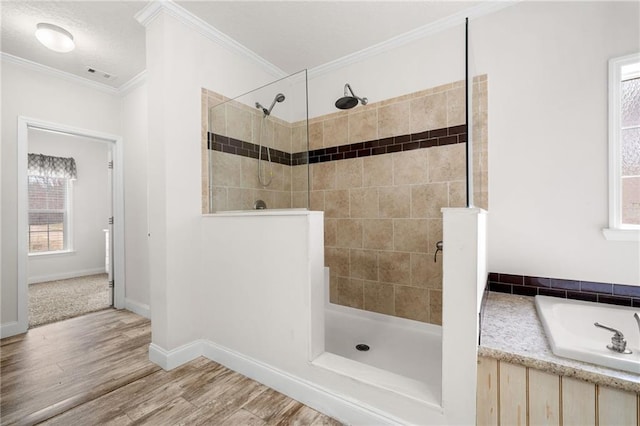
55, 38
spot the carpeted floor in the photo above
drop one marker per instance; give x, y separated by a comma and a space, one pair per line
57, 300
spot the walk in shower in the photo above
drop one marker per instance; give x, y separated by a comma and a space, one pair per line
256, 148
381, 170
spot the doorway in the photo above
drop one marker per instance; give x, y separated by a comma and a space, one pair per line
79, 255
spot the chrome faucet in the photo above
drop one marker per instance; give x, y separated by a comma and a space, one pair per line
618, 344
637, 317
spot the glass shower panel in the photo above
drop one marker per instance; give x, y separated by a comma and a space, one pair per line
257, 148
477, 144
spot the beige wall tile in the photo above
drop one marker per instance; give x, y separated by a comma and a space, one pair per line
394, 267
429, 112
226, 169
394, 201
299, 139
265, 195
241, 199
364, 202
300, 178
316, 198
337, 259
333, 289
336, 131
219, 199
363, 126
330, 232
249, 172
410, 167
379, 297
315, 135
377, 234
412, 303
282, 138
239, 124
435, 307
336, 203
218, 120
349, 173
350, 292
447, 163
434, 234
282, 200
349, 233
377, 170
323, 175
364, 264
393, 119
456, 109
458, 194
411, 235
428, 200
425, 272
299, 200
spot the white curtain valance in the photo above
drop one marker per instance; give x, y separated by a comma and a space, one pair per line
49, 166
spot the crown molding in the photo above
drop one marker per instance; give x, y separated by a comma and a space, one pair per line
34, 66
135, 82
457, 19
153, 9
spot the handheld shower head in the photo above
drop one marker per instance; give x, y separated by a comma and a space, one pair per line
279, 98
349, 101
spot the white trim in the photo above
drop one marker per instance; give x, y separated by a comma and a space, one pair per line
10, 329
621, 234
34, 66
457, 19
173, 358
133, 83
321, 399
65, 275
137, 308
149, 13
38, 254
25, 123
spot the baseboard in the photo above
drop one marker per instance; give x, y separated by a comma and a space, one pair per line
299, 389
169, 360
65, 275
10, 329
137, 308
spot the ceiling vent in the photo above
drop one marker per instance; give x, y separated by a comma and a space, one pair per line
100, 74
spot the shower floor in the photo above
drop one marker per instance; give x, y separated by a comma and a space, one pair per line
405, 354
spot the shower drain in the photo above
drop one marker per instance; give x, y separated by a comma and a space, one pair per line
362, 347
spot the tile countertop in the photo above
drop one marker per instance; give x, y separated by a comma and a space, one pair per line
512, 332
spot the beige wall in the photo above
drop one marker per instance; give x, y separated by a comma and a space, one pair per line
382, 212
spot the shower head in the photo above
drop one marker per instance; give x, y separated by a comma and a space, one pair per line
349, 101
279, 98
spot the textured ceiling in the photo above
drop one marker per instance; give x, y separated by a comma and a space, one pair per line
291, 35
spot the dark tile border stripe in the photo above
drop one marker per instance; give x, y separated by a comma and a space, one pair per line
617, 294
427, 139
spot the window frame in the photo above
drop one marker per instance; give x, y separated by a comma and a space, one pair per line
67, 226
617, 231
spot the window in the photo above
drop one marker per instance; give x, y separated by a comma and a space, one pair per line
624, 149
50, 189
48, 214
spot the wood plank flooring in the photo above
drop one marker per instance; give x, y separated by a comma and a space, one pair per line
95, 370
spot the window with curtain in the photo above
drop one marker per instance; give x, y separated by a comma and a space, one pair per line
50, 190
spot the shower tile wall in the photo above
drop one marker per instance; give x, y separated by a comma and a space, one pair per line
235, 176
381, 173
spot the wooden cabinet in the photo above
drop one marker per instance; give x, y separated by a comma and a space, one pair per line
510, 394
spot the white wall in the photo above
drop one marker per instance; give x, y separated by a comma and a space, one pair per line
89, 211
134, 134
37, 95
548, 197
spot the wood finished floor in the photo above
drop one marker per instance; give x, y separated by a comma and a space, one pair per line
95, 370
